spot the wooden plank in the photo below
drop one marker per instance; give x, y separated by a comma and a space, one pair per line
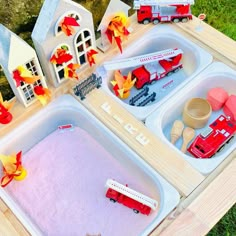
3, 206
20, 229
151, 148
185, 202
16, 228
6, 228
211, 37
205, 211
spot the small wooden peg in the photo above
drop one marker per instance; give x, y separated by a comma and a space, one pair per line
176, 131
188, 135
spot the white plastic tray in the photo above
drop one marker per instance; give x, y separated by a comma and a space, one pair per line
161, 120
67, 110
159, 38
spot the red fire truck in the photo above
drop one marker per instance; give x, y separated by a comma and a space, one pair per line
130, 198
150, 73
163, 10
154, 66
214, 138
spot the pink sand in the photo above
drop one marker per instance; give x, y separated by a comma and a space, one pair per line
64, 191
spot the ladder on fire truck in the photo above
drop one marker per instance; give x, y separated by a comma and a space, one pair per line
153, 204
138, 3
142, 60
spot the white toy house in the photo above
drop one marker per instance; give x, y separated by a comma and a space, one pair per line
115, 6
15, 52
48, 36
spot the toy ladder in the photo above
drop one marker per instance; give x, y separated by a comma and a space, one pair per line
132, 194
138, 3
141, 60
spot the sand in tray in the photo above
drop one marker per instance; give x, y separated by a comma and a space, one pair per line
64, 191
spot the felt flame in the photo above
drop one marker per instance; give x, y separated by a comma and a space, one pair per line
42, 94
60, 56
12, 168
70, 71
91, 56
21, 74
117, 28
122, 84
67, 25
5, 106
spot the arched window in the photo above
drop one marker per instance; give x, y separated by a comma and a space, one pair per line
59, 68
75, 15
83, 43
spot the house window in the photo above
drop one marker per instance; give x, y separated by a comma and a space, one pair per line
83, 43
59, 68
5, 88
27, 89
75, 15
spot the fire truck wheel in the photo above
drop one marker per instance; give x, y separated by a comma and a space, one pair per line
153, 81
112, 200
176, 20
146, 21
221, 148
155, 21
230, 139
184, 20
135, 211
176, 70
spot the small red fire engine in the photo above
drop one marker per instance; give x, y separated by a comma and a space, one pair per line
214, 138
154, 66
163, 11
130, 198
150, 73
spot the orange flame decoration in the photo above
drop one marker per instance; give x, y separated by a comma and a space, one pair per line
12, 168
60, 56
91, 56
70, 71
122, 84
5, 106
42, 94
67, 25
21, 74
117, 28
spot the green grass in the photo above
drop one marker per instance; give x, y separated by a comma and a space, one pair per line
221, 14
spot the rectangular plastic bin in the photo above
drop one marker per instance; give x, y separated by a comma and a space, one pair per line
161, 37
161, 120
108, 156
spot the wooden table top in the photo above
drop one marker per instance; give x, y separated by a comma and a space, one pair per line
192, 214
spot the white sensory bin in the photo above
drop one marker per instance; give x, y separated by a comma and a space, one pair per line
161, 120
160, 37
67, 110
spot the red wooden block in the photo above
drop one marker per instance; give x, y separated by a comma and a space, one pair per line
230, 107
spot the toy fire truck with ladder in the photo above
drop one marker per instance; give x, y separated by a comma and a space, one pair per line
154, 66
213, 138
128, 197
163, 10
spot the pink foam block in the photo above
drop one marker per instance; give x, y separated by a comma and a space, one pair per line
230, 107
217, 98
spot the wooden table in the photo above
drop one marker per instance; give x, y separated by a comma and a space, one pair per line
204, 199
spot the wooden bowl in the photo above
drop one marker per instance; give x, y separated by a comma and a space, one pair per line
196, 112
